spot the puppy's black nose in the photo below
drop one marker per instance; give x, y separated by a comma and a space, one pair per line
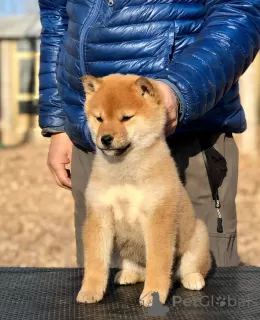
107, 140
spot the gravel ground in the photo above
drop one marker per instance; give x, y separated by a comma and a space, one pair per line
37, 217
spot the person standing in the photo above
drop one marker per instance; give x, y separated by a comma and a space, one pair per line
196, 50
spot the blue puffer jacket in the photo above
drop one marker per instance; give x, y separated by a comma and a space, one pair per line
199, 47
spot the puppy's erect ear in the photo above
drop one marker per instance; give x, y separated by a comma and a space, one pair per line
145, 87
91, 84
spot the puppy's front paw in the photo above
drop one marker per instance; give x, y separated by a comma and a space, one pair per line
89, 296
193, 281
148, 298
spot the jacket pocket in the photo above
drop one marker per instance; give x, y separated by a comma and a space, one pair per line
140, 49
169, 49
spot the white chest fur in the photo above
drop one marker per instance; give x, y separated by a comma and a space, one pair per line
129, 187
127, 202
130, 203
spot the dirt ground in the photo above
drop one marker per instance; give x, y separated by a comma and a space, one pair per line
36, 217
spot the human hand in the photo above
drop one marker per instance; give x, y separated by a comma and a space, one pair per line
171, 105
59, 157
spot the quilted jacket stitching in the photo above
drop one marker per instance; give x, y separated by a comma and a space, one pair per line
71, 75
119, 60
128, 41
141, 23
70, 53
229, 40
190, 67
152, 5
210, 70
76, 91
199, 74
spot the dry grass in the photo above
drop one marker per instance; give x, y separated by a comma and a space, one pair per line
37, 217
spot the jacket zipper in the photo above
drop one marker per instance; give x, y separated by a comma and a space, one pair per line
85, 30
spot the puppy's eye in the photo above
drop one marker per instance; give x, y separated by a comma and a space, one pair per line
126, 118
99, 119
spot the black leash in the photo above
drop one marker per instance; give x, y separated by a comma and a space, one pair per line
216, 167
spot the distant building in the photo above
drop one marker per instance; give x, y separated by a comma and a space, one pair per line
19, 66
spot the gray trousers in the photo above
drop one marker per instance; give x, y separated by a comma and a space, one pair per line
187, 153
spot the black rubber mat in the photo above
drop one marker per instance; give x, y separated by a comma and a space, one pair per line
49, 294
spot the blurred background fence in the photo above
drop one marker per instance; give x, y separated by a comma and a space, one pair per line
36, 217
19, 64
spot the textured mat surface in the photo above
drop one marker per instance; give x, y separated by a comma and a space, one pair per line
49, 294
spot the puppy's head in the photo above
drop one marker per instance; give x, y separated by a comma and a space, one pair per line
124, 112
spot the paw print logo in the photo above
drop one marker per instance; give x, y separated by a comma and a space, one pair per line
220, 301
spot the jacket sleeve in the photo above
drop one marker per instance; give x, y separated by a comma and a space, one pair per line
54, 22
204, 71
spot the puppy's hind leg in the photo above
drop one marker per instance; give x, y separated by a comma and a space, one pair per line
130, 273
195, 261
98, 243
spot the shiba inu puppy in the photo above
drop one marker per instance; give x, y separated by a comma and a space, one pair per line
135, 199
